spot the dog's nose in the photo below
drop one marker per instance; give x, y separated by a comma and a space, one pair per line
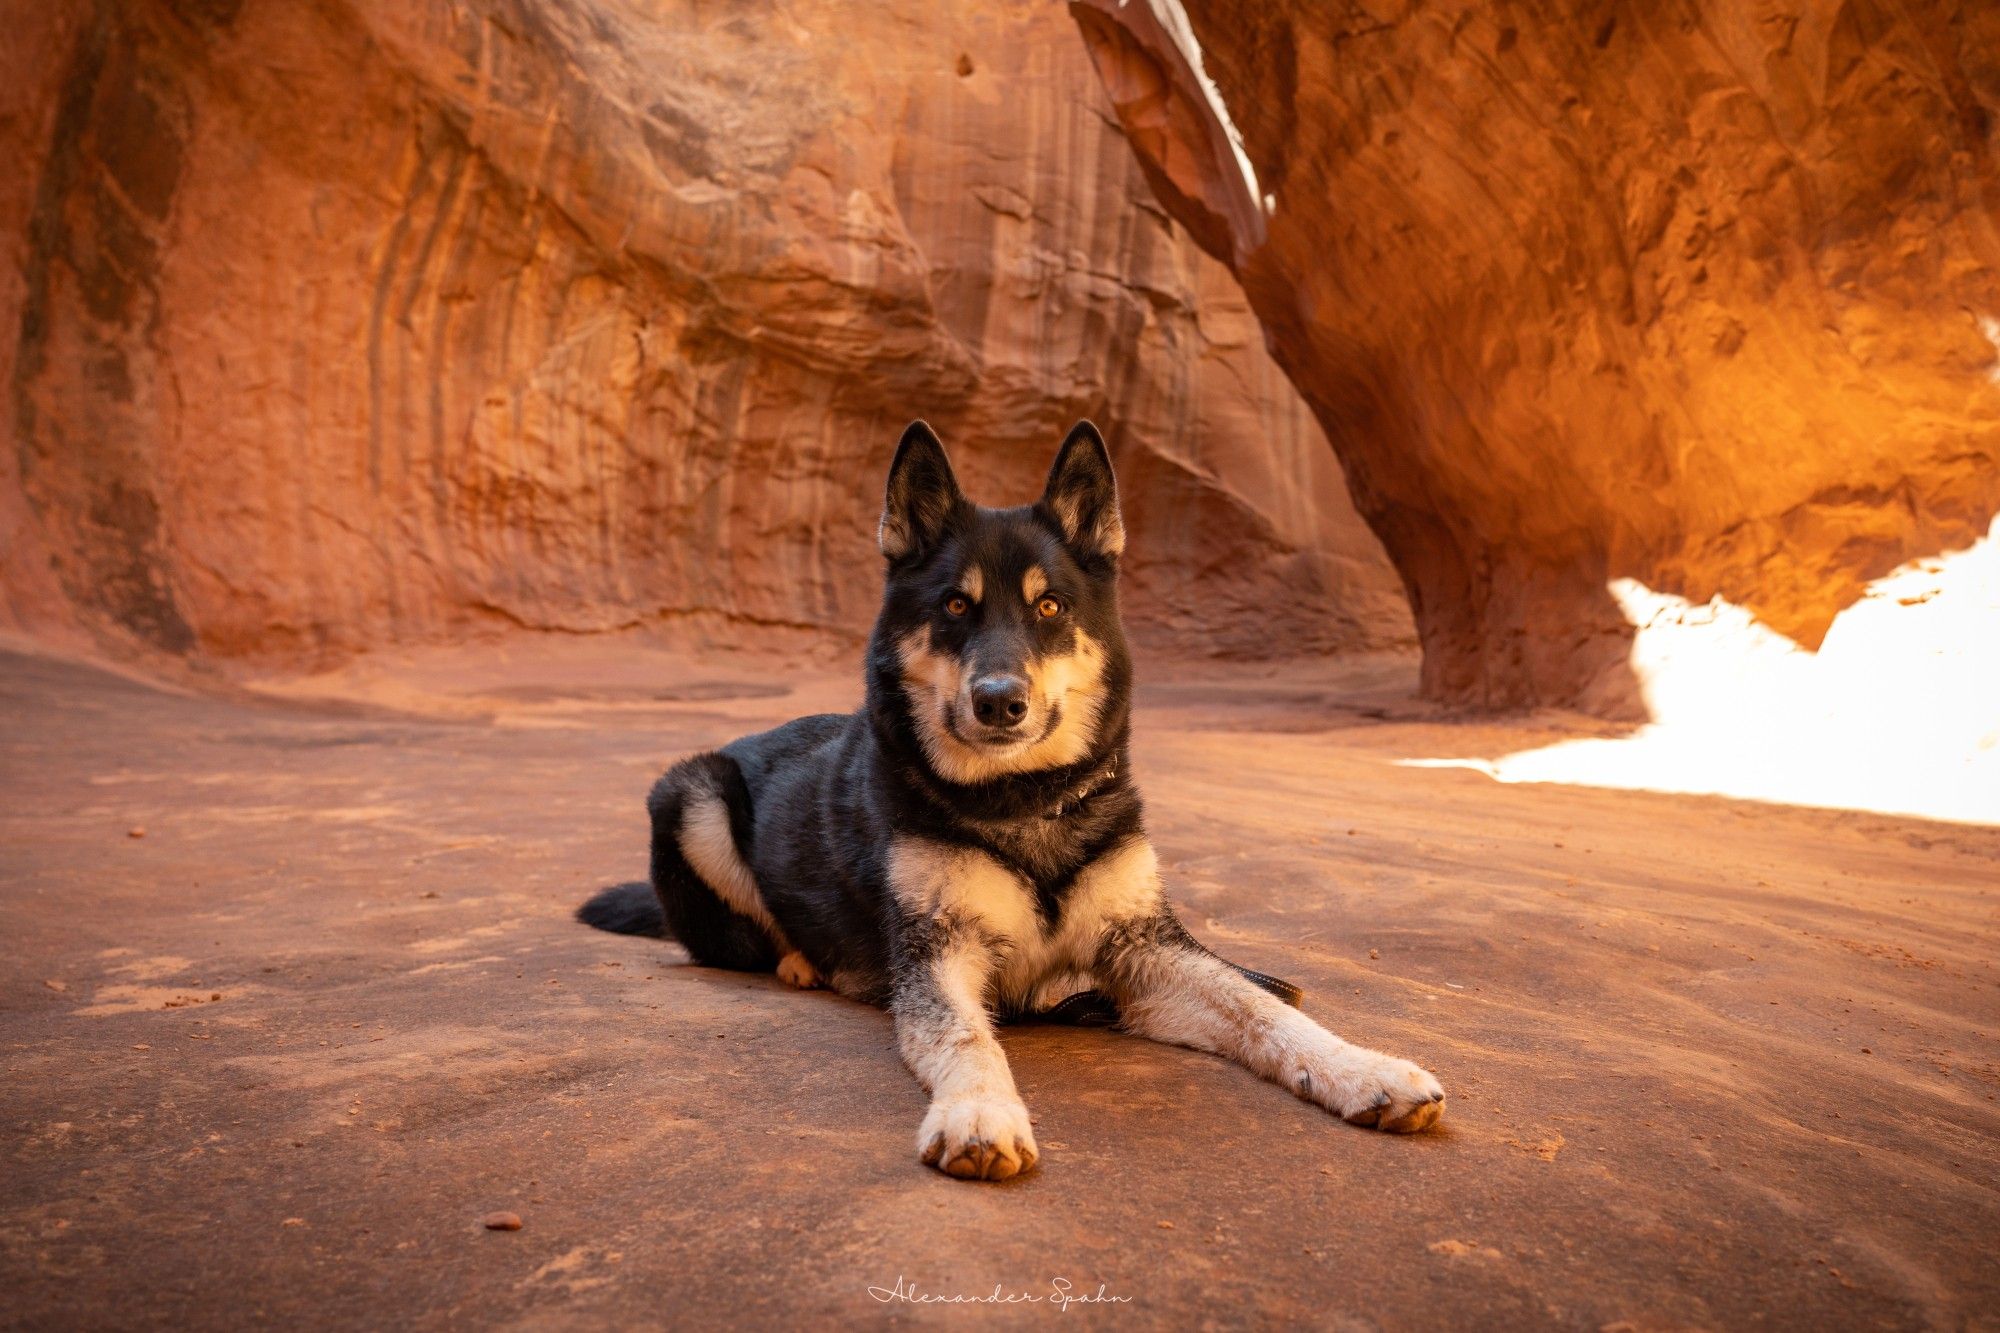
1000, 701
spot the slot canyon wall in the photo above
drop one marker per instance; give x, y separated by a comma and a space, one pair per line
343, 324
1701, 296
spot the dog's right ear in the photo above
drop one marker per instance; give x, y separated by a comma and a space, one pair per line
923, 493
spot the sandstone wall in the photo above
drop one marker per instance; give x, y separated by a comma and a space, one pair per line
339, 324
1700, 294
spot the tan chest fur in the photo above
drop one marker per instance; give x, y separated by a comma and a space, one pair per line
1027, 953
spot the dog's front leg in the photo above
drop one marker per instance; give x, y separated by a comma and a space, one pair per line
1170, 989
976, 1128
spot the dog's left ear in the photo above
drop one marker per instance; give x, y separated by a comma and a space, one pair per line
1082, 495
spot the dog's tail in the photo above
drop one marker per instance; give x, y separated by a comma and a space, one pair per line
625, 909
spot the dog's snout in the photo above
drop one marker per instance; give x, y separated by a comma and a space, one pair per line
1000, 701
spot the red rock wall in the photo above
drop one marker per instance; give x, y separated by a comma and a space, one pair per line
343, 324
1697, 294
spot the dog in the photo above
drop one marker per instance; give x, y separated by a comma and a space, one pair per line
969, 846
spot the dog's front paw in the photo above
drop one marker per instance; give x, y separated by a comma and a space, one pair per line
978, 1138
1378, 1091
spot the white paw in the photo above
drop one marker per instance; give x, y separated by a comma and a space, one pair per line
1365, 1087
978, 1138
794, 970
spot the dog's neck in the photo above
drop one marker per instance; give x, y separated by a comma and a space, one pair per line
1100, 777
1046, 793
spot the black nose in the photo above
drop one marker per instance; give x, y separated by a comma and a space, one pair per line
1000, 701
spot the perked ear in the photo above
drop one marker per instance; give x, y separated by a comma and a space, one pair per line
922, 495
1082, 495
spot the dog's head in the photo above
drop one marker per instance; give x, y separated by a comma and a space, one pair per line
1000, 631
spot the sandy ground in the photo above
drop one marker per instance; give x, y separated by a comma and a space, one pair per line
1710, 1063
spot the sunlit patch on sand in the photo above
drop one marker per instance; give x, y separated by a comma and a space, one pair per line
1898, 711
124, 998
478, 934
134, 994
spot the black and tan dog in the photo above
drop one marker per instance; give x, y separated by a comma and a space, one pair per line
970, 843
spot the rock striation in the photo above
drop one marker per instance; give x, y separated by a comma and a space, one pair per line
372, 322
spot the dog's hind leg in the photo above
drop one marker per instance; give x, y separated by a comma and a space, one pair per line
701, 816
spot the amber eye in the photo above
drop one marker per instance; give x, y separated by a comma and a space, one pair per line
956, 604
1048, 607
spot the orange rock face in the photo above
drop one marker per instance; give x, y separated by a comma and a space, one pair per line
1700, 295
333, 326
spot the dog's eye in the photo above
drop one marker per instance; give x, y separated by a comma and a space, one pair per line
956, 604
1048, 607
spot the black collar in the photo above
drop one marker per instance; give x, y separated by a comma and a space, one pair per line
1072, 800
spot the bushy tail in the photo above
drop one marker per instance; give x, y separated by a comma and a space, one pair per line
625, 909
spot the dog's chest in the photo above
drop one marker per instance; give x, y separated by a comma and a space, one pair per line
1041, 932
1032, 971
1044, 943
1044, 851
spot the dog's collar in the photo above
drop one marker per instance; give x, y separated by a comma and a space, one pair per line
1073, 799
1065, 801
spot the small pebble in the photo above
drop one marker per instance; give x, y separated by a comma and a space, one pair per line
1166, 1226
1374, 953
135, 833
503, 1221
